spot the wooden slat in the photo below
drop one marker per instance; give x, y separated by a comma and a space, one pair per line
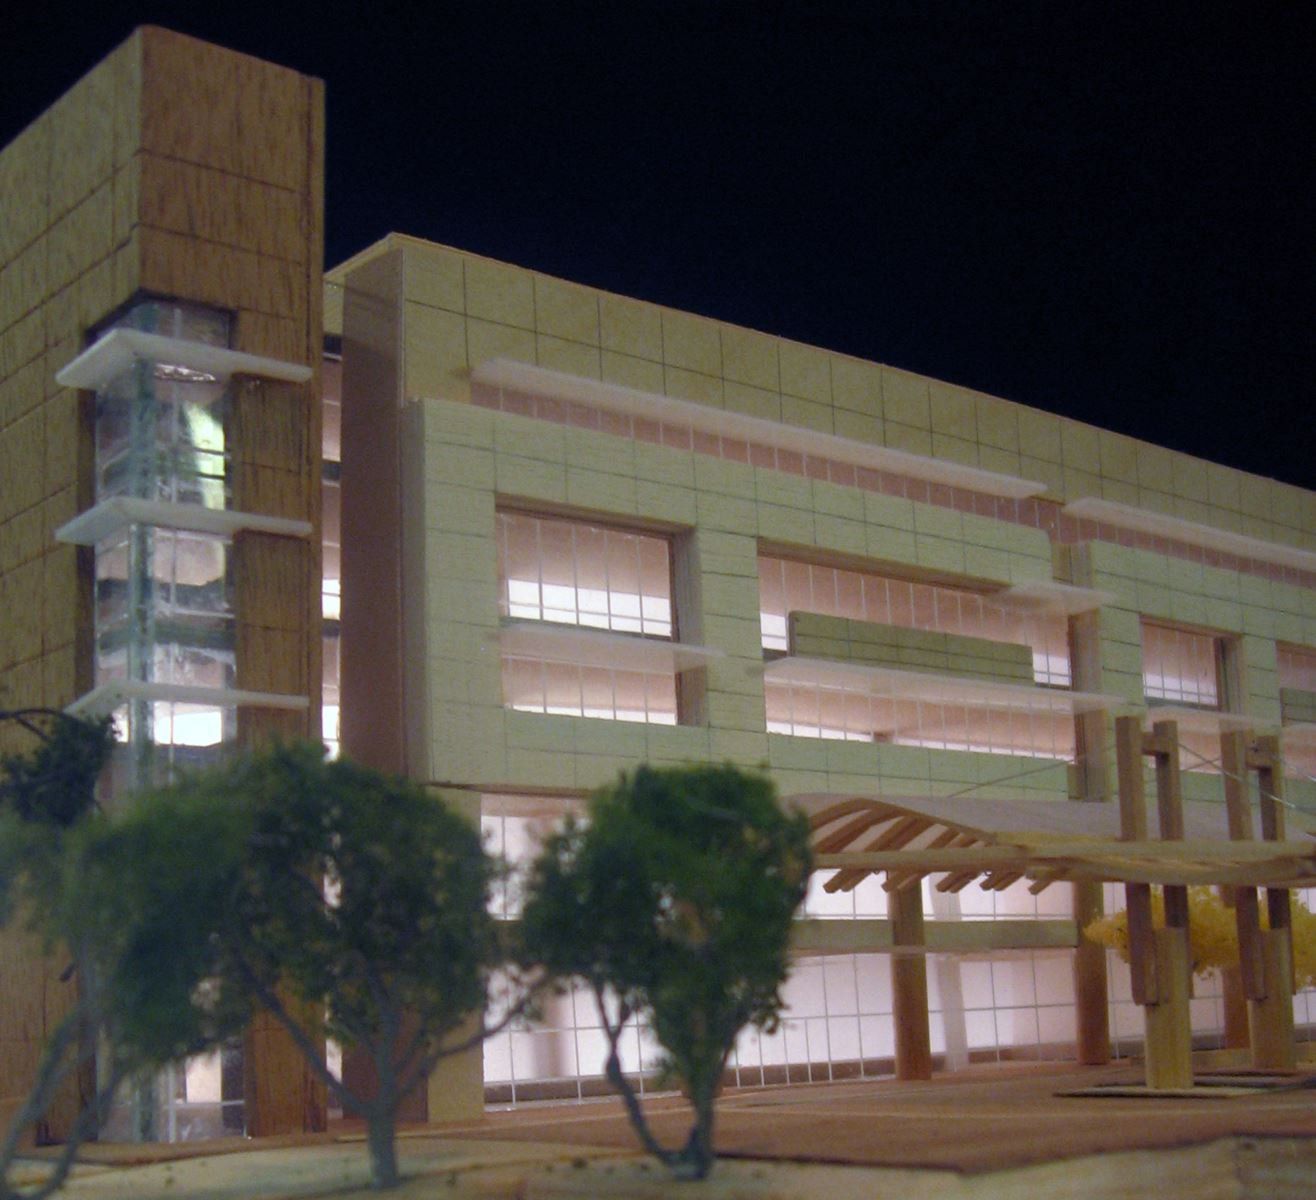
909, 989
812, 935
1168, 1046
1132, 801
1091, 852
1270, 778
840, 839
1133, 827
1280, 874
897, 834
1233, 765
1091, 1009
1044, 879
1273, 1043
846, 808
957, 881
1169, 807
1273, 1046
947, 837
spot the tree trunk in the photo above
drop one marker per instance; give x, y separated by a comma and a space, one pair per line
381, 1135
697, 1155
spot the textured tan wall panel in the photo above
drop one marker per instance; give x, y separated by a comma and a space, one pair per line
281, 493
173, 264
275, 1072
8, 634
55, 511
81, 141
20, 393
270, 425
271, 660
214, 206
59, 597
275, 337
124, 67
224, 110
22, 685
22, 539
21, 458
22, 343
25, 174
22, 284
93, 296
26, 585
61, 416
80, 238
60, 676
270, 575
126, 187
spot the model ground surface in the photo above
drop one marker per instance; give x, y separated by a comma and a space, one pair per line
984, 1132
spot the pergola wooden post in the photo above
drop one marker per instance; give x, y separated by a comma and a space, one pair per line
909, 983
1159, 961
1000, 841
1265, 955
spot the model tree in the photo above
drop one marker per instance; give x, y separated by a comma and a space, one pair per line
673, 904
135, 901
367, 898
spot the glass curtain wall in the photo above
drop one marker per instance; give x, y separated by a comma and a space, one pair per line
163, 613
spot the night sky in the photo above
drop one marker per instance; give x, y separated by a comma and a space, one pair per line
1101, 210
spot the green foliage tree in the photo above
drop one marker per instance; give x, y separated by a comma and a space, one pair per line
674, 902
135, 901
366, 897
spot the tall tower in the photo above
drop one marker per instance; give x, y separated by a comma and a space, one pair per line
161, 250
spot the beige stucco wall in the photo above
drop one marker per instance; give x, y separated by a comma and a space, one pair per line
454, 311
474, 456
460, 309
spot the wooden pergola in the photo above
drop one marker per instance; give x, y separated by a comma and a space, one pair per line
1000, 842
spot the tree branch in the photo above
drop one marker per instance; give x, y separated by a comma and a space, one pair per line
89, 1120
623, 1085
269, 998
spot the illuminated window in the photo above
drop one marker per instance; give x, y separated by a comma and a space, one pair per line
787, 585
1181, 666
562, 571
1187, 667
1297, 694
883, 711
1297, 668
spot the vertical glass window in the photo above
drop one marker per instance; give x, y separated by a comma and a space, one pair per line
571, 572
1181, 666
577, 573
789, 586
1297, 694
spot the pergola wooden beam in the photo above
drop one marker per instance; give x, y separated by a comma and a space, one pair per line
869, 935
1049, 843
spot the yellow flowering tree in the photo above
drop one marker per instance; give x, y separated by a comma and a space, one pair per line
1212, 933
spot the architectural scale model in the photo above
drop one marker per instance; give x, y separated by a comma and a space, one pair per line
510, 535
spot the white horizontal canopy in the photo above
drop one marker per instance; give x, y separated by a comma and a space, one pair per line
1091, 508
1199, 720
109, 356
105, 698
111, 516
585, 647
894, 683
1053, 596
612, 397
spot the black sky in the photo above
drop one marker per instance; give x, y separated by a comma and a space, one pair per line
1098, 209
